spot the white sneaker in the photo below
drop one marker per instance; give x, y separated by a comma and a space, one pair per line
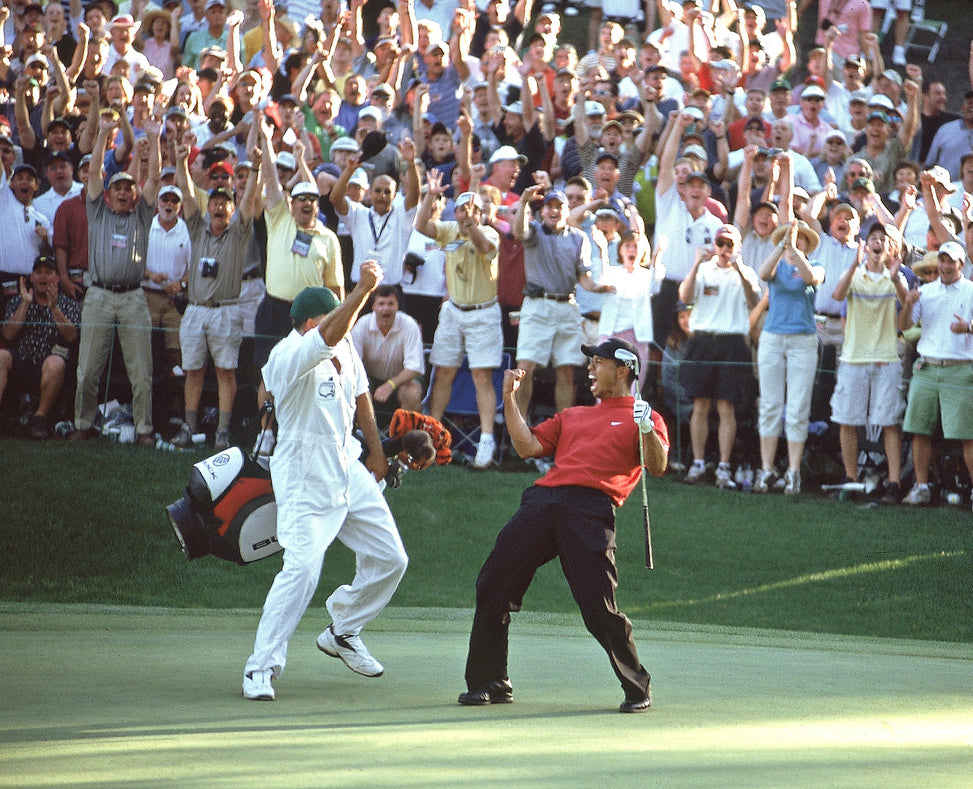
484, 451
763, 480
919, 495
257, 687
723, 478
792, 483
696, 474
184, 438
352, 650
898, 56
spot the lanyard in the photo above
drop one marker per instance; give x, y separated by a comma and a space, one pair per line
371, 222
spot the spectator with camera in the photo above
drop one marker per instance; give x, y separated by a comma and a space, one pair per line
40, 325
213, 323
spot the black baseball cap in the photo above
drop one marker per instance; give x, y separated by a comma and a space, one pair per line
617, 350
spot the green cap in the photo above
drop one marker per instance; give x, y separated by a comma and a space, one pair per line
312, 302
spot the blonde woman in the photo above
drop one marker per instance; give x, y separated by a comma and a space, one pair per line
788, 353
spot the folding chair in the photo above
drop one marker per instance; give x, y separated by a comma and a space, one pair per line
920, 26
461, 416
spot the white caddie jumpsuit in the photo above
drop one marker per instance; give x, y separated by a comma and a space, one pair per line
323, 492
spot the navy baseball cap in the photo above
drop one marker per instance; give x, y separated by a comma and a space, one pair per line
617, 350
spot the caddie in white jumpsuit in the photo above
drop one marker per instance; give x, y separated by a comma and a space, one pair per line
323, 491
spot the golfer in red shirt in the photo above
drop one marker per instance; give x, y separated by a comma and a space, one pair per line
570, 514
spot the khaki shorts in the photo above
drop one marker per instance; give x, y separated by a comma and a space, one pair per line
475, 333
550, 333
211, 331
165, 316
868, 394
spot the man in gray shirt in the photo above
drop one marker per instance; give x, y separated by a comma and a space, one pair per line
556, 259
118, 235
213, 323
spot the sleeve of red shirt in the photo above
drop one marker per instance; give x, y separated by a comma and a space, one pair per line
661, 430
548, 433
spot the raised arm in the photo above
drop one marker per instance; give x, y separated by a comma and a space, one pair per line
153, 130
410, 183
271, 179
190, 208
338, 191
107, 125
424, 220
521, 224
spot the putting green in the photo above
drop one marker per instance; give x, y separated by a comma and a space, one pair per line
101, 696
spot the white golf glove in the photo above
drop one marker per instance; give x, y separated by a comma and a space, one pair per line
642, 413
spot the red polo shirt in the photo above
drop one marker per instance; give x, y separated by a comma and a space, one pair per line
596, 447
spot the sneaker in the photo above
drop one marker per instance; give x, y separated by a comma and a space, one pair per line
918, 496
696, 474
763, 480
257, 687
352, 650
892, 493
40, 427
792, 483
184, 438
484, 452
898, 56
222, 441
723, 478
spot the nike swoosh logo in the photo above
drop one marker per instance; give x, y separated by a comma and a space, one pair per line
616, 423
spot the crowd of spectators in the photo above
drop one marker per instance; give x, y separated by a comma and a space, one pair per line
189, 168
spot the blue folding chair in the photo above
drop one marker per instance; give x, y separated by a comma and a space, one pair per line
461, 416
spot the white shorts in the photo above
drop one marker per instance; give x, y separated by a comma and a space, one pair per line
550, 333
475, 333
216, 331
252, 292
868, 394
899, 5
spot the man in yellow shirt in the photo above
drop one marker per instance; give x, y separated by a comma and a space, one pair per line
469, 321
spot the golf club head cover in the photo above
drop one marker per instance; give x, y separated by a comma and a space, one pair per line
405, 421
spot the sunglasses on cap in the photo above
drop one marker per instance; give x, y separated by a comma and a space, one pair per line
169, 198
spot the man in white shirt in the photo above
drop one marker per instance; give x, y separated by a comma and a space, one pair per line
123, 30
382, 231
60, 175
389, 343
942, 377
166, 263
323, 492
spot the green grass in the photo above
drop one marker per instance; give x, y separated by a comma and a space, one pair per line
87, 525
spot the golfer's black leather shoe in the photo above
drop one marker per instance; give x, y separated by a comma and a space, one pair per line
500, 691
636, 705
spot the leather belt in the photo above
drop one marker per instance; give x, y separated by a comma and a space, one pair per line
831, 315
117, 288
212, 304
559, 297
944, 362
472, 307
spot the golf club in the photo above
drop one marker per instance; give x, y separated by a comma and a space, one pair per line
631, 361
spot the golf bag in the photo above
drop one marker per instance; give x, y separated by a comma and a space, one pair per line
228, 510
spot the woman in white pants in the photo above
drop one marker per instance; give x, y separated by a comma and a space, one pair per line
788, 352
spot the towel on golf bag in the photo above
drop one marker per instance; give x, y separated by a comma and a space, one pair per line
403, 421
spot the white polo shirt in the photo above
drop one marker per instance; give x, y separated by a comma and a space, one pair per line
168, 252
387, 355
939, 306
683, 233
21, 244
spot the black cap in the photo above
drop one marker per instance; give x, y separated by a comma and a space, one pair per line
45, 261
58, 156
617, 350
